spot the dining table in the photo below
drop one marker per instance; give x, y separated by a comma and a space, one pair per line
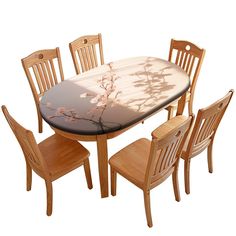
106, 101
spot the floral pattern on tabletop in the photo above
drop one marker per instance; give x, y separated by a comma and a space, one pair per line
153, 84
100, 101
113, 96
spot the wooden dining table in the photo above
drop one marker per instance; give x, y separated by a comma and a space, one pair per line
104, 102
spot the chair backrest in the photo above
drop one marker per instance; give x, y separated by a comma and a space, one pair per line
28, 145
165, 149
43, 69
206, 124
189, 57
84, 52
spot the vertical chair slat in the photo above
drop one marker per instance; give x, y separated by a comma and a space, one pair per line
201, 130
181, 58
162, 166
52, 82
92, 57
53, 71
85, 59
210, 127
191, 67
177, 58
168, 156
83, 64
37, 77
158, 164
173, 153
45, 75
185, 61
95, 55
207, 127
189, 63
81, 59
89, 60
40, 73
76, 60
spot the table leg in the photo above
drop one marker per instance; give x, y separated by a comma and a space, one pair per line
103, 164
181, 105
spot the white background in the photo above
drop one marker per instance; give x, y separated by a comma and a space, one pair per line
129, 28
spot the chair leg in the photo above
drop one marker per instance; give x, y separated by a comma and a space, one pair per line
88, 174
209, 157
49, 197
170, 112
28, 177
175, 182
113, 182
186, 175
147, 205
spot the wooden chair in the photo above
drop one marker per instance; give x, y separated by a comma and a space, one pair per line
203, 133
42, 73
189, 57
148, 163
51, 158
83, 51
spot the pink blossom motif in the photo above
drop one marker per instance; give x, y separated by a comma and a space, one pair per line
102, 101
111, 89
60, 110
95, 99
48, 104
83, 95
107, 84
93, 110
69, 115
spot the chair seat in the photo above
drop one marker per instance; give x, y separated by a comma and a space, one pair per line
132, 160
62, 155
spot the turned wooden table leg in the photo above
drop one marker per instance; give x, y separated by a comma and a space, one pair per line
103, 164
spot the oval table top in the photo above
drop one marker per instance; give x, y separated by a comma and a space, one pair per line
113, 96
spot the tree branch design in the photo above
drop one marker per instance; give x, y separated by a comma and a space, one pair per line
148, 80
101, 100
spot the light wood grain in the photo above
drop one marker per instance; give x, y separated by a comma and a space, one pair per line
203, 133
51, 159
103, 164
148, 163
40, 69
189, 57
83, 52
